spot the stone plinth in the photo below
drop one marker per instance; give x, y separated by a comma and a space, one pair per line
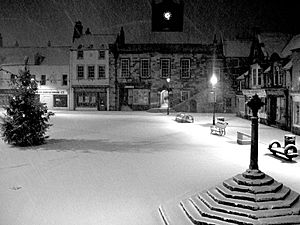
248, 198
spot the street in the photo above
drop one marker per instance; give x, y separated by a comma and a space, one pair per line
117, 168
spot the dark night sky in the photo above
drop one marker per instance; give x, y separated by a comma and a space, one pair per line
34, 22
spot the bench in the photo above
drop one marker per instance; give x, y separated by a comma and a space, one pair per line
290, 151
243, 139
219, 128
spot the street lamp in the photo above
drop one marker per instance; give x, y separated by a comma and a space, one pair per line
168, 89
213, 81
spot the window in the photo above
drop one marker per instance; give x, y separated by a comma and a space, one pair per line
91, 72
259, 76
60, 100
80, 72
185, 68
101, 54
165, 68
184, 95
125, 68
79, 54
276, 76
254, 76
64, 79
12, 77
43, 80
234, 62
101, 72
145, 68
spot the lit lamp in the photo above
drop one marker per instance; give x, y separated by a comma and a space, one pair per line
213, 81
168, 89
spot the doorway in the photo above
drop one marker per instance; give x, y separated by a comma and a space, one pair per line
164, 99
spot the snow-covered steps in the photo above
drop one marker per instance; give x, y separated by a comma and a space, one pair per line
248, 198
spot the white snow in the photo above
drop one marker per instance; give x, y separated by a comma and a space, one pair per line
116, 168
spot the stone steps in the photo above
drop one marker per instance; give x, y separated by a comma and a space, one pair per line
248, 199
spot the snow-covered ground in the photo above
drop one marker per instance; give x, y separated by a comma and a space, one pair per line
116, 168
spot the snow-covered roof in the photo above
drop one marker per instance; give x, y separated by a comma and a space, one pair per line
50, 55
273, 42
94, 41
293, 44
236, 48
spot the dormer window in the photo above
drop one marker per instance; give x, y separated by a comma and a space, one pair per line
80, 54
101, 54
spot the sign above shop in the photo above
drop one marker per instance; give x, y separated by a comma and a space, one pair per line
52, 92
251, 92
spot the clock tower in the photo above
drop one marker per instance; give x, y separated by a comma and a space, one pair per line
167, 16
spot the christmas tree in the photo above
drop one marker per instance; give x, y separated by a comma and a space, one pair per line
26, 119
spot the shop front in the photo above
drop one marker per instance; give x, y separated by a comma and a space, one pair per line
248, 93
277, 108
91, 98
134, 97
296, 113
54, 99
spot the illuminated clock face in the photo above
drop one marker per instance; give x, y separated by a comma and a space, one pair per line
167, 15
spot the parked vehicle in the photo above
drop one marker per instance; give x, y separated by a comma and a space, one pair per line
184, 118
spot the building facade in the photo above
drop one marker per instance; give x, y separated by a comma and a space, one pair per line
49, 66
145, 76
89, 68
267, 76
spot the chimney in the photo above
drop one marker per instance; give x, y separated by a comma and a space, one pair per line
77, 30
122, 36
1, 41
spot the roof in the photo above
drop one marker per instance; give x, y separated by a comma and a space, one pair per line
167, 48
273, 43
237, 48
51, 55
94, 41
293, 44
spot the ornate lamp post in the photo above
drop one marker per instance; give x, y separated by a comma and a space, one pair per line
168, 108
213, 81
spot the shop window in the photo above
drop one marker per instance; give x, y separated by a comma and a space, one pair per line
43, 80
64, 79
125, 68
87, 99
80, 54
145, 68
60, 100
101, 72
297, 113
101, 54
185, 67
80, 72
91, 72
140, 96
280, 110
165, 67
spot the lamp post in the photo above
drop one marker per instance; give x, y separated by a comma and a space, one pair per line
213, 81
168, 89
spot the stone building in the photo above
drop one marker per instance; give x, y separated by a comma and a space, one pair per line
139, 72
